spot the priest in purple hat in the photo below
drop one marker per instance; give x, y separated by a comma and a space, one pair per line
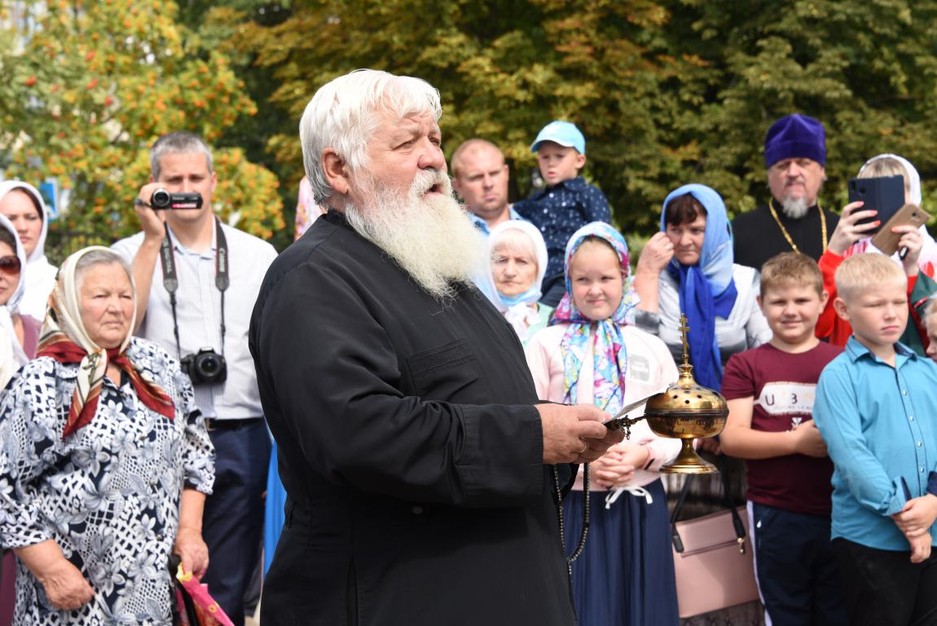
795, 157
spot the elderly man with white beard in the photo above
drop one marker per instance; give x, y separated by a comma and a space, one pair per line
422, 473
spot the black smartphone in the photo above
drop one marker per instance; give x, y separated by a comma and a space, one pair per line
884, 194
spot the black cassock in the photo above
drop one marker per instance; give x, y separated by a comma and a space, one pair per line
409, 449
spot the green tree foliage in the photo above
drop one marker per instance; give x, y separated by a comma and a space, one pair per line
666, 92
504, 70
89, 86
867, 70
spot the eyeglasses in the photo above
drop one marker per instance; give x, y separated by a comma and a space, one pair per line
10, 265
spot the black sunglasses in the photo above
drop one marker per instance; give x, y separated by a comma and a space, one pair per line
10, 265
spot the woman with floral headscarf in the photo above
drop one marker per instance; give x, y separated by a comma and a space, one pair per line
591, 354
105, 458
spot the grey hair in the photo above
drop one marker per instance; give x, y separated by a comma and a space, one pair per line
99, 257
176, 143
342, 116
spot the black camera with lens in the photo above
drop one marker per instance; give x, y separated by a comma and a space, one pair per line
162, 199
205, 367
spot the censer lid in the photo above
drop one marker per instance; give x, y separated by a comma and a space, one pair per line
686, 397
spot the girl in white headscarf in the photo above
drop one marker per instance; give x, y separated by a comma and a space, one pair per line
518, 264
22, 204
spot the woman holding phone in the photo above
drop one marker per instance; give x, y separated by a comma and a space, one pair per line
853, 235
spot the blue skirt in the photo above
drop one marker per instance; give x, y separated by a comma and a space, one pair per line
624, 577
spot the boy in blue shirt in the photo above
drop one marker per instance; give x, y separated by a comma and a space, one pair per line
566, 204
875, 408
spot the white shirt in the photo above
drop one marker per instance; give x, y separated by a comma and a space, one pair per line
198, 310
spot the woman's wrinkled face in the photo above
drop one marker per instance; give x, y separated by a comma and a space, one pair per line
106, 298
17, 207
9, 272
514, 270
687, 239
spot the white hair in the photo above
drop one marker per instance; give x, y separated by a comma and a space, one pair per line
342, 116
430, 237
795, 208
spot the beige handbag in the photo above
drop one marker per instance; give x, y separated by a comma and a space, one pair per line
712, 558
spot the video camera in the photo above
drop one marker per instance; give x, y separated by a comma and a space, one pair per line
163, 200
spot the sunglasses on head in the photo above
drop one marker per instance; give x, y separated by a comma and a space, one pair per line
10, 265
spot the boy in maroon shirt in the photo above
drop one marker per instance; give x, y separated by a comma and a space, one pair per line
770, 391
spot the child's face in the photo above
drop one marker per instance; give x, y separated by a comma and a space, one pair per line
687, 239
930, 322
878, 314
792, 312
597, 280
558, 163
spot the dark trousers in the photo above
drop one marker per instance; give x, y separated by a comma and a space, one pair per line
798, 575
234, 513
884, 588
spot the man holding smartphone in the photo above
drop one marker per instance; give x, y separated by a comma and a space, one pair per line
795, 157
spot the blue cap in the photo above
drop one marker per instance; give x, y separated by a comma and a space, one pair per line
564, 133
795, 137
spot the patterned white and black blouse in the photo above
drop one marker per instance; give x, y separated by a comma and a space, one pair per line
108, 495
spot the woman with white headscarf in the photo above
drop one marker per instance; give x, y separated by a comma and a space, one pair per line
22, 204
852, 236
105, 457
518, 264
19, 335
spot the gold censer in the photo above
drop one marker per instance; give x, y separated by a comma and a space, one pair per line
686, 411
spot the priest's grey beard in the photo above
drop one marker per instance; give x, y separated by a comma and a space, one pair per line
429, 236
795, 208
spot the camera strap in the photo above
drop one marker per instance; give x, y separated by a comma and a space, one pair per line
167, 260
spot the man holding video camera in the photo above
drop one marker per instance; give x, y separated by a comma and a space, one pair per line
197, 280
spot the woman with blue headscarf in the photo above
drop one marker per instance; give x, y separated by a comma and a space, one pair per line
688, 268
593, 354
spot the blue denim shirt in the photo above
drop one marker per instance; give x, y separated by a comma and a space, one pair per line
880, 427
561, 210
482, 225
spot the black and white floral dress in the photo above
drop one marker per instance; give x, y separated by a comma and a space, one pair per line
108, 494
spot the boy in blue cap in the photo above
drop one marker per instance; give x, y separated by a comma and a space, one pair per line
566, 204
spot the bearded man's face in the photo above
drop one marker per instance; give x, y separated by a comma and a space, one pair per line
402, 201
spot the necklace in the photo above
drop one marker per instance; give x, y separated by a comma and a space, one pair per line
787, 235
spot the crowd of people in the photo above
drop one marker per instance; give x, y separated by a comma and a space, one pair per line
416, 390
